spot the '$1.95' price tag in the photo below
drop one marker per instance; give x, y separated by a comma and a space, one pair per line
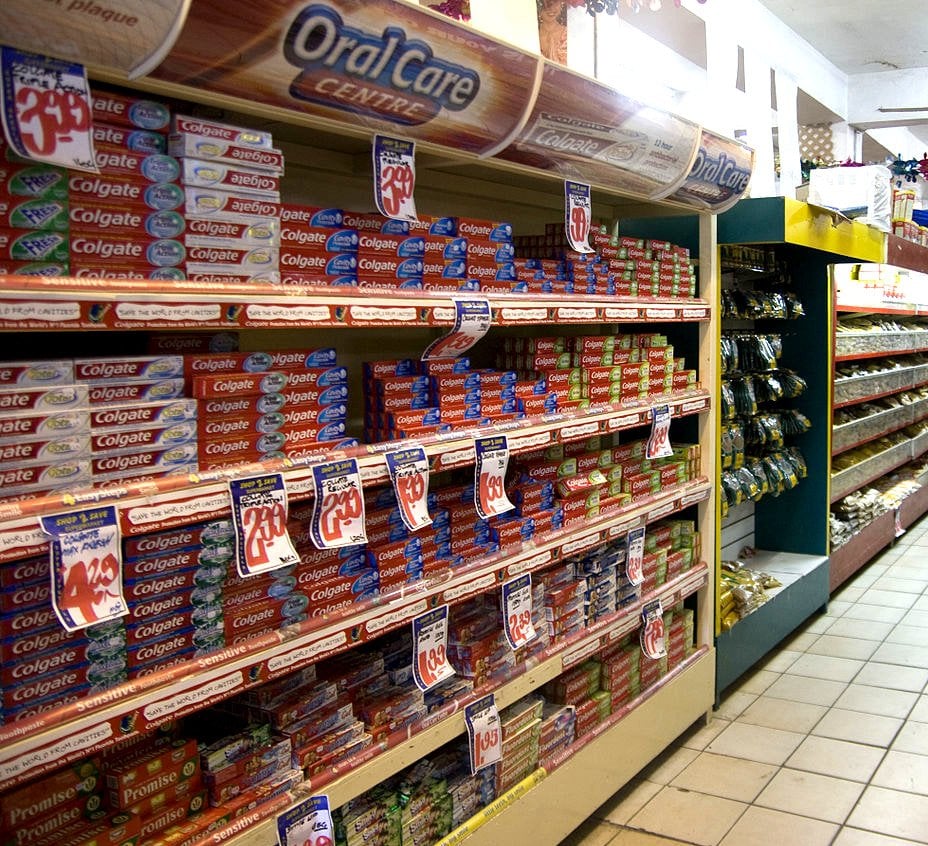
409, 470
517, 611
395, 177
659, 442
484, 733
259, 514
338, 512
652, 630
430, 648
490, 476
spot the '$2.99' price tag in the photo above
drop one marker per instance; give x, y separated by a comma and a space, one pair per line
484, 733
492, 460
395, 177
659, 442
259, 514
338, 510
652, 630
517, 611
430, 648
634, 556
409, 470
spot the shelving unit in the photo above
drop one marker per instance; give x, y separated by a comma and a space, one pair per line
482, 161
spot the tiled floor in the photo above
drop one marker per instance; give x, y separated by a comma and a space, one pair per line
824, 743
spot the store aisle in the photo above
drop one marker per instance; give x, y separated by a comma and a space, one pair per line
825, 743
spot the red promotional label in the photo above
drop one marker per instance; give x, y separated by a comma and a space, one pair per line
409, 471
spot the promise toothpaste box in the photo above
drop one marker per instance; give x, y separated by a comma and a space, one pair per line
38, 800
132, 780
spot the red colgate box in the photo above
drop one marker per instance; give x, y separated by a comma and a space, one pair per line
150, 607
320, 240
132, 780
193, 547
147, 438
265, 615
486, 230
209, 202
142, 390
23, 809
443, 249
499, 408
128, 369
395, 246
22, 597
42, 478
202, 231
230, 274
374, 222
129, 138
125, 465
290, 419
388, 267
204, 619
156, 414
149, 656
114, 160
484, 252
251, 362
155, 587
241, 257
318, 747
82, 657
90, 220
125, 110
492, 272
318, 280
34, 213
117, 190
221, 132
561, 377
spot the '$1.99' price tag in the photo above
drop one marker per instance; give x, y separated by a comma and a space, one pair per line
492, 460
652, 630
517, 611
484, 733
659, 442
259, 514
634, 556
430, 648
338, 510
409, 470
395, 177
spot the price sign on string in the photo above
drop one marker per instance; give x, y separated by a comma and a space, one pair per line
472, 320
307, 824
652, 630
430, 648
659, 442
46, 109
517, 611
338, 511
634, 556
259, 514
395, 177
578, 216
409, 470
86, 567
490, 476
484, 733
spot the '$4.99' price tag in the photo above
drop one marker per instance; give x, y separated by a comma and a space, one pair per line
395, 177
259, 514
409, 470
484, 733
634, 556
338, 511
430, 648
652, 630
490, 476
517, 611
659, 442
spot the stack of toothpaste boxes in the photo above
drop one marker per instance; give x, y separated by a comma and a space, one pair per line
231, 187
126, 221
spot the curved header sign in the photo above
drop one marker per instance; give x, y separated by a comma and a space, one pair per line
586, 131
720, 174
130, 37
378, 64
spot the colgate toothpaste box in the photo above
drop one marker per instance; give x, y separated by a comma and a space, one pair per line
150, 655
41, 478
96, 249
290, 419
42, 213
14, 429
491, 272
240, 384
185, 144
142, 390
435, 227
147, 415
229, 176
211, 202
318, 264
241, 257
129, 138
33, 181
152, 167
258, 232
90, 220
310, 216
221, 132
273, 402
388, 267
485, 230
160, 196
125, 110
26, 245
172, 343
85, 659
257, 362
267, 615
322, 240
131, 464
391, 246
444, 249
374, 222
318, 280
481, 251
44, 450
207, 540
230, 274
128, 369
206, 620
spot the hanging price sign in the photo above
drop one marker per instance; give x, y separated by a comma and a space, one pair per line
338, 512
395, 177
490, 476
897, 523
659, 442
652, 630
517, 611
472, 320
485, 736
634, 556
578, 216
259, 514
409, 470
430, 647
86, 569
46, 109
307, 824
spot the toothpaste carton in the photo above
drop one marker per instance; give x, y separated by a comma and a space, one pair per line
140, 390
129, 138
94, 248
128, 369
238, 178
42, 213
322, 240
221, 132
23, 245
133, 779
241, 257
157, 414
126, 110
44, 450
185, 144
153, 167
211, 202
40, 799
257, 232
91, 219
119, 190
33, 181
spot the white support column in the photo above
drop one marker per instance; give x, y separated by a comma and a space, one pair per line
759, 136
788, 133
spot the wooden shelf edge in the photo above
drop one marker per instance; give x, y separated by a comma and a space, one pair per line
860, 548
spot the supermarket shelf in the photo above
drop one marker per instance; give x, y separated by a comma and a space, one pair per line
353, 777
178, 500
864, 472
29, 303
897, 311
50, 740
804, 591
858, 432
879, 353
858, 389
553, 803
904, 253
849, 558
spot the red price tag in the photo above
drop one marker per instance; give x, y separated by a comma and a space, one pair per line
86, 571
46, 109
578, 216
338, 511
517, 611
430, 645
492, 459
409, 470
634, 557
659, 442
472, 320
652, 630
259, 514
484, 733
395, 177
